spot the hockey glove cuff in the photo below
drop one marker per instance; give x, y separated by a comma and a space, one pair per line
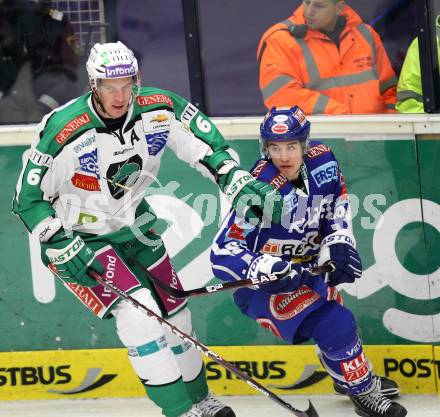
71, 258
340, 250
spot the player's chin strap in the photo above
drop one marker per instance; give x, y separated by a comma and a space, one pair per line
250, 282
310, 412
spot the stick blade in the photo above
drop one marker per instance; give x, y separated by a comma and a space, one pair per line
311, 412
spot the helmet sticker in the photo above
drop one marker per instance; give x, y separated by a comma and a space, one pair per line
280, 128
280, 118
300, 116
118, 71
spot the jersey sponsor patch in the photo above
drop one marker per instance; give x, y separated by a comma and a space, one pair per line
318, 150
71, 127
325, 173
41, 159
308, 244
355, 369
188, 113
156, 121
85, 218
84, 144
156, 142
124, 150
279, 181
160, 118
154, 99
89, 163
287, 305
202, 123
86, 182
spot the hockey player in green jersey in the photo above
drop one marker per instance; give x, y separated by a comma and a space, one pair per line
82, 189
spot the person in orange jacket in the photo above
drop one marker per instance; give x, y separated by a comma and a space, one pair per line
325, 59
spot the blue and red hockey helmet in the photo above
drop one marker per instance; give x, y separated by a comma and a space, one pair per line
284, 124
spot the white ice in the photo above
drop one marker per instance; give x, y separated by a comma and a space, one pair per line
244, 406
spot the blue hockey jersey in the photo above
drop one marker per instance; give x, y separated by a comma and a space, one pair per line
318, 211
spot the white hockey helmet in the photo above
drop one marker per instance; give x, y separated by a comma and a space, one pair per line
110, 61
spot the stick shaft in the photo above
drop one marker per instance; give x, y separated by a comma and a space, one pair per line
224, 286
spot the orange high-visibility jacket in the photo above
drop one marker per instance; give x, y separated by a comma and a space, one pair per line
304, 67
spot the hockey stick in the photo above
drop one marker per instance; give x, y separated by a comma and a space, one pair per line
261, 280
310, 412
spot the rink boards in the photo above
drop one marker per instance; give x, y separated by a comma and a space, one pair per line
393, 181
285, 370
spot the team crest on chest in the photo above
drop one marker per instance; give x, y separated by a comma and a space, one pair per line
122, 175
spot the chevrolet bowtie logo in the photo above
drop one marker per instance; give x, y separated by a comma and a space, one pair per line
160, 118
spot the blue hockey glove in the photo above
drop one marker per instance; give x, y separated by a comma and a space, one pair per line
291, 275
348, 264
252, 198
72, 256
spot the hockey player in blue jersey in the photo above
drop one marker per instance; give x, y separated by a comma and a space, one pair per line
315, 229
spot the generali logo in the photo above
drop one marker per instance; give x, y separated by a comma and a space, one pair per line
154, 99
70, 127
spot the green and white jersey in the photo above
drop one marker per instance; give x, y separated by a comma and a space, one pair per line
93, 179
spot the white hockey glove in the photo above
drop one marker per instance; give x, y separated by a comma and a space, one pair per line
291, 275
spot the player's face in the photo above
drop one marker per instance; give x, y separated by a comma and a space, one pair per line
115, 96
322, 14
287, 157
